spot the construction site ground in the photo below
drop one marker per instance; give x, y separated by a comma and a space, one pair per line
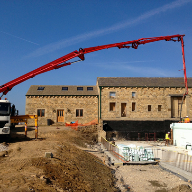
77, 164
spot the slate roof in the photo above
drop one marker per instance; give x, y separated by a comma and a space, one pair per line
143, 81
109, 82
56, 90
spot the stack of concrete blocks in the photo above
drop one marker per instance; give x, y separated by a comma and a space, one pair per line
124, 151
149, 153
135, 153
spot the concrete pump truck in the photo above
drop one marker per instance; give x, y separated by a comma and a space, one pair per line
7, 112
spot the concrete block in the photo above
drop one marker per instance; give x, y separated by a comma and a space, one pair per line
48, 155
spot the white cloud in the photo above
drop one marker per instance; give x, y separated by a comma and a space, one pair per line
79, 38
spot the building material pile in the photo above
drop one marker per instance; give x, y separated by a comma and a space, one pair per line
135, 153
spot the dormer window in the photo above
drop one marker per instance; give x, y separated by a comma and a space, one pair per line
89, 88
64, 88
79, 88
40, 88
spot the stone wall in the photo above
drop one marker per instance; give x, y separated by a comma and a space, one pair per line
100, 131
159, 99
69, 104
143, 97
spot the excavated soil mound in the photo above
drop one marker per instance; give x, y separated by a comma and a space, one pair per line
24, 166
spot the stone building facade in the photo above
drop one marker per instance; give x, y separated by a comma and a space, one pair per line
61, 104
142, 105
121, 104
142, 98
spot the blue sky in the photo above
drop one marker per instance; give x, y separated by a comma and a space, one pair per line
34, 33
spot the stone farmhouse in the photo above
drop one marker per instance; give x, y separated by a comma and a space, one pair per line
124, 106
62, 104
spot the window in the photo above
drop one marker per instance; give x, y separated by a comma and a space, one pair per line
79, 88
89, 88
149, 107
133, 106
79, 112
133, 94
5, 109
41, 112
64, 88
112, 94
40, 88
111, 106
159, 107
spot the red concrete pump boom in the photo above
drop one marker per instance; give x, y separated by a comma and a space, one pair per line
62, 61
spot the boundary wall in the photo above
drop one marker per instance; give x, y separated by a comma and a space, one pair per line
113, 150
174, 158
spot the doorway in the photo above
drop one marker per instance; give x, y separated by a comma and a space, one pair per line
176, 103
60, 115
123, 109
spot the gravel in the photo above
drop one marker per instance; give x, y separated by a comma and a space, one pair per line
146, 178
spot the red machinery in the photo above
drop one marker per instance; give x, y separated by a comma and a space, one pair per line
62, 61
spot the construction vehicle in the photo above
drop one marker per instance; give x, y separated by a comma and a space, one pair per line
6, 111
62, 61
9, 118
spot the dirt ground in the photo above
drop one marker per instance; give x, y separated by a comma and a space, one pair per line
73, 167
149, 178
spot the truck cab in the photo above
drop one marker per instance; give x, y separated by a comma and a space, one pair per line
5, 114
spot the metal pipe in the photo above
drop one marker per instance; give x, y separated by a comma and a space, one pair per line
184, 66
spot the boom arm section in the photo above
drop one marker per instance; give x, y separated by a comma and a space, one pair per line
62, 61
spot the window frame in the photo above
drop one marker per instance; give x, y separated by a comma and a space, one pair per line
79, 112
89, 88
159, 107
133, 94
133, 107
40, 88
40, 112
113, 107
65, 88
79, 88
110, 94
149, 108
